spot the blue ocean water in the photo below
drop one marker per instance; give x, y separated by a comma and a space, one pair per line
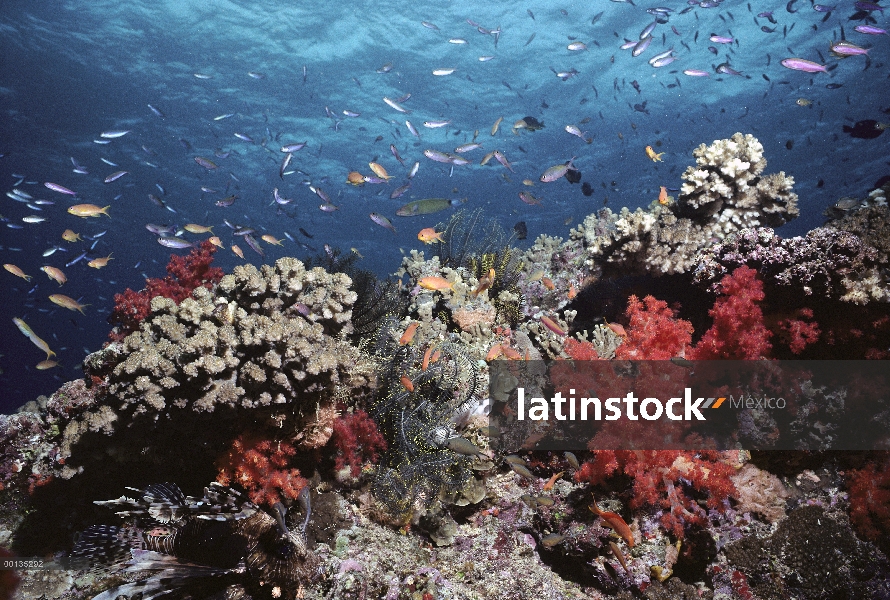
287, 71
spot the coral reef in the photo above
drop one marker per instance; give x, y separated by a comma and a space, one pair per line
723, 193
653, 332
184, 275
260, 466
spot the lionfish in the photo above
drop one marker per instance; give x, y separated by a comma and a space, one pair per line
220, 546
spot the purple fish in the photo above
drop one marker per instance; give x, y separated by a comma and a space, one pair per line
807, 66
641, 46
328, 207
399, 191
442, 157
720, 39
59, 188
382, 221
227, 201
769, 16
207, 164
254, 245
870, 30
868, 6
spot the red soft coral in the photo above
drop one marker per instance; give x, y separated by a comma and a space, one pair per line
260, 466
357, 441
185, 274
800, 333
870, 499
664, 479
738, 332
653, 332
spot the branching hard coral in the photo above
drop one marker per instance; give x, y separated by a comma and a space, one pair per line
723, 193
184, 275
738, 332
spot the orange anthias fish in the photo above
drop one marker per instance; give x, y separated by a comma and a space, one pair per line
614, 521
269, 239
408, 336
435, 283
98, 263
237, 251
67, 302
216, 241
70, 236
379, 171
430, 235
55, 274
355, 178
655, 156
88, 210
663, 196
17, 271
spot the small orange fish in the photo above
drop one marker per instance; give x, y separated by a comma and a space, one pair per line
430, 235
67, 302
379, 171
55, 274
407, 383
237, 251
216, 241
408, 336
435, 283
552, 481
573, 291
619, 555
494, 353
663, 196
511, 353
17, 271
70, 236
88, 210
98, 263
614, 521
548, 283
426, 358
618, 329
355, 178
485, 283
655, 156
552, 325
269, 239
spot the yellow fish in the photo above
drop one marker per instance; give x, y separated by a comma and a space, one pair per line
379, 171
655, 156
192, 228
70, 236
43, 365
16, 271
496, 126
55, 274
237, 251
88, 210
98, 263
269, 239
67, 302
803, 102
23, 327
216, 242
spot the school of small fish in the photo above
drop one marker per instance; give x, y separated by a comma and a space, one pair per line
260, 177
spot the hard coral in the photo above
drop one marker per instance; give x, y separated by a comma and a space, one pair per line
185, 273
738, 332
653, 333
260, 466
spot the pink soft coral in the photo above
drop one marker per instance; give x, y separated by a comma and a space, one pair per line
738, 332
664, 479
653, 332
260, 466
357, 441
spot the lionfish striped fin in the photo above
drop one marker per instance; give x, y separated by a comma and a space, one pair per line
221, 503
106, 545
